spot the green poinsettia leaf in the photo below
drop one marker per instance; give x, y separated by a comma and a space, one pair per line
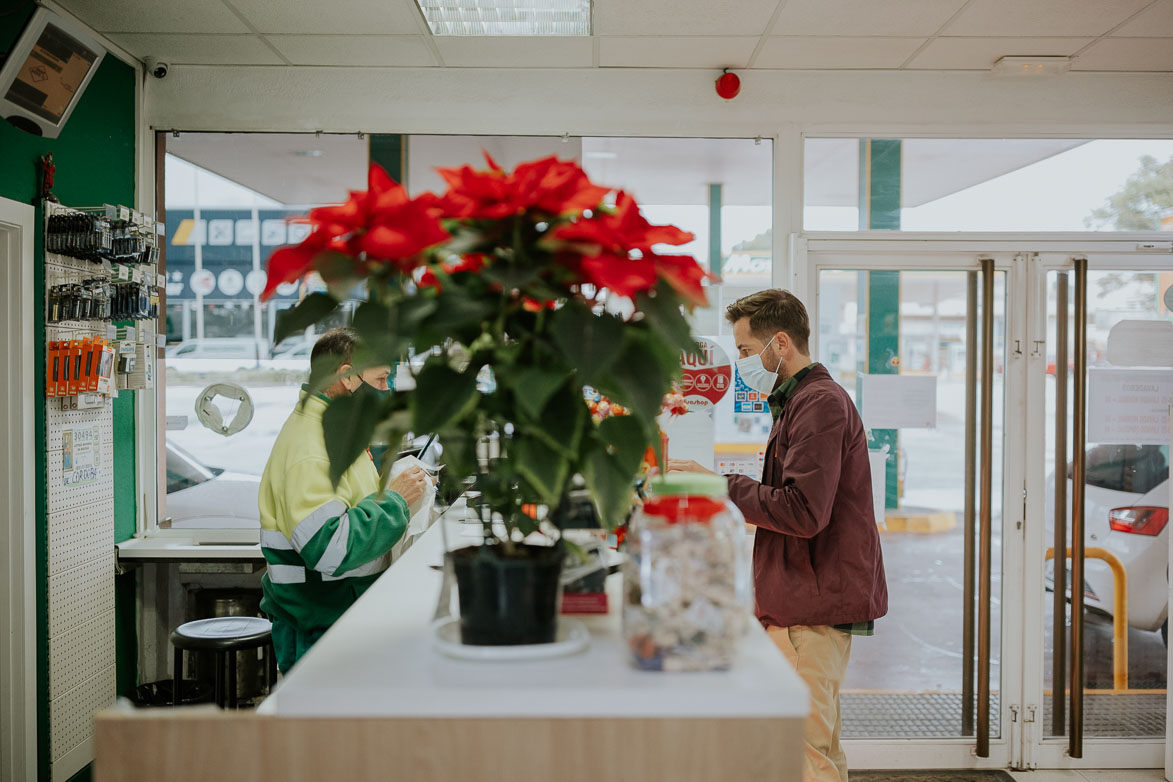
455, 313
641, 375
441, 395
610, 485
587, 340
348, 424
628, 438
374, 325
542, 467
302, 315
533, 388
664, 315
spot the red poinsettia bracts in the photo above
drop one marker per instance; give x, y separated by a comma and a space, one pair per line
608, 240
549, 185
611, 249
380, 224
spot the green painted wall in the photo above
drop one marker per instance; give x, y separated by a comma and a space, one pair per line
95, 159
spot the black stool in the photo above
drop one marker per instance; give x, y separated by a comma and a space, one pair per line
225, 635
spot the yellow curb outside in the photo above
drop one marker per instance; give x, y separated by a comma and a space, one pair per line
918, 521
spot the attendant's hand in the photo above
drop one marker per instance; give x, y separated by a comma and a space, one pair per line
411, 484
687, 465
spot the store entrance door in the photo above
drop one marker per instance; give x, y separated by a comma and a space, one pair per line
1096, 659
920, 340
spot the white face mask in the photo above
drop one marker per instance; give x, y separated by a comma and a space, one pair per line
755, 374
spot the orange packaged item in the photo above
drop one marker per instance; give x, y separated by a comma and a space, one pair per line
73, 386
88, 378
52, 366
65, 368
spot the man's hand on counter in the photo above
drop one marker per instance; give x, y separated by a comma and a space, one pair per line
412, 483
687, 465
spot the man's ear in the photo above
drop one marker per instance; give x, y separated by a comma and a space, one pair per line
784, 343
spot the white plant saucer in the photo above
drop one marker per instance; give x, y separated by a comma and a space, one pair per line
572, 638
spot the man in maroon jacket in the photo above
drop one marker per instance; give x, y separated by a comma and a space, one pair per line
818, 572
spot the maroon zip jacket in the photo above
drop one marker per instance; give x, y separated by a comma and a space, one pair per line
816, 553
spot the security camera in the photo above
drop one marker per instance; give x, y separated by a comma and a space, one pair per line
156, 67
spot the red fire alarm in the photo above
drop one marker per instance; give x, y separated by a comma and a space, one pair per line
728, 85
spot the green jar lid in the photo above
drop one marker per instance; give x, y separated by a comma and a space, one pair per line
693, 484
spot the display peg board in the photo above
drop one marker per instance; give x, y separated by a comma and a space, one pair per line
79, 443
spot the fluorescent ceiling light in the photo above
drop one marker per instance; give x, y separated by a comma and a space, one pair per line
507, 17
1032, 66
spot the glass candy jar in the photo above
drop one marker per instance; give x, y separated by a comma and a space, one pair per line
687, 588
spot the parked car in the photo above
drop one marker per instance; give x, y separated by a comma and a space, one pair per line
217, 354
209, 497
1126, 512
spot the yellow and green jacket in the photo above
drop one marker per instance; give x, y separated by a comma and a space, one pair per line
323, 545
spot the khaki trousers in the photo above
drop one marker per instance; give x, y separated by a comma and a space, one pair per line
820, 655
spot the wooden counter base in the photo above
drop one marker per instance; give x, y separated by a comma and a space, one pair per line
198, 743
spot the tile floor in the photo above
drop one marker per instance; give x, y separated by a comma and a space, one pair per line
1089, 775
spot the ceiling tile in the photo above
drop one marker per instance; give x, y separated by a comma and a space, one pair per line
1042, 17
346, 17
808, 52
979, 54
376, 51
682, 17
156, 16
865, 17
510, 52
199, 49
668, 52
1126, 54
1155, 20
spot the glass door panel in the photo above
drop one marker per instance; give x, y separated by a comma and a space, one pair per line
907, 335
1126, 513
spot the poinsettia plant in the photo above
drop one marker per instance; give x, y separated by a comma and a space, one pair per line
546, 280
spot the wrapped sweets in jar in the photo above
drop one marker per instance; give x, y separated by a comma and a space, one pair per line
687, 585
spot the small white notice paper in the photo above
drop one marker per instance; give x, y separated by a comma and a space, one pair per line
1129, 406
900, 401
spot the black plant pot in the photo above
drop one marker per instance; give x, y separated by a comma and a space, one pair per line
508, 599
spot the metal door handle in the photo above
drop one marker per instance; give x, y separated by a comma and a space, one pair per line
1078, 477
1059, 593
985, 513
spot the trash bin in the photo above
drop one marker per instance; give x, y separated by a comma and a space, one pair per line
159, 693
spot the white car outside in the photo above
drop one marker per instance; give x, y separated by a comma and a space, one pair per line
1127, 513
205, 497
217, 354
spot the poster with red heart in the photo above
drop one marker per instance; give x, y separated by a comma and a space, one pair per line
707, 375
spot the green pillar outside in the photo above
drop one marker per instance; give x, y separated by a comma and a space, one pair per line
389, 150
716, 192
879, 209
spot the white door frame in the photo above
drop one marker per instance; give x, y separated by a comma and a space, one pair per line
1026, 258
18, 672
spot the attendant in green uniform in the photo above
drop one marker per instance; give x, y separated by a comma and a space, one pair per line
324, 544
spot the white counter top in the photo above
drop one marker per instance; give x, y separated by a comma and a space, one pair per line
158, 548
378, 661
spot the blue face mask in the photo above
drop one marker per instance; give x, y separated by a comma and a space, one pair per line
755, 374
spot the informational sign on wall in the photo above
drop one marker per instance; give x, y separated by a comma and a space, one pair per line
1129, 406
707, 375
900, 401
81, 455
745, 399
